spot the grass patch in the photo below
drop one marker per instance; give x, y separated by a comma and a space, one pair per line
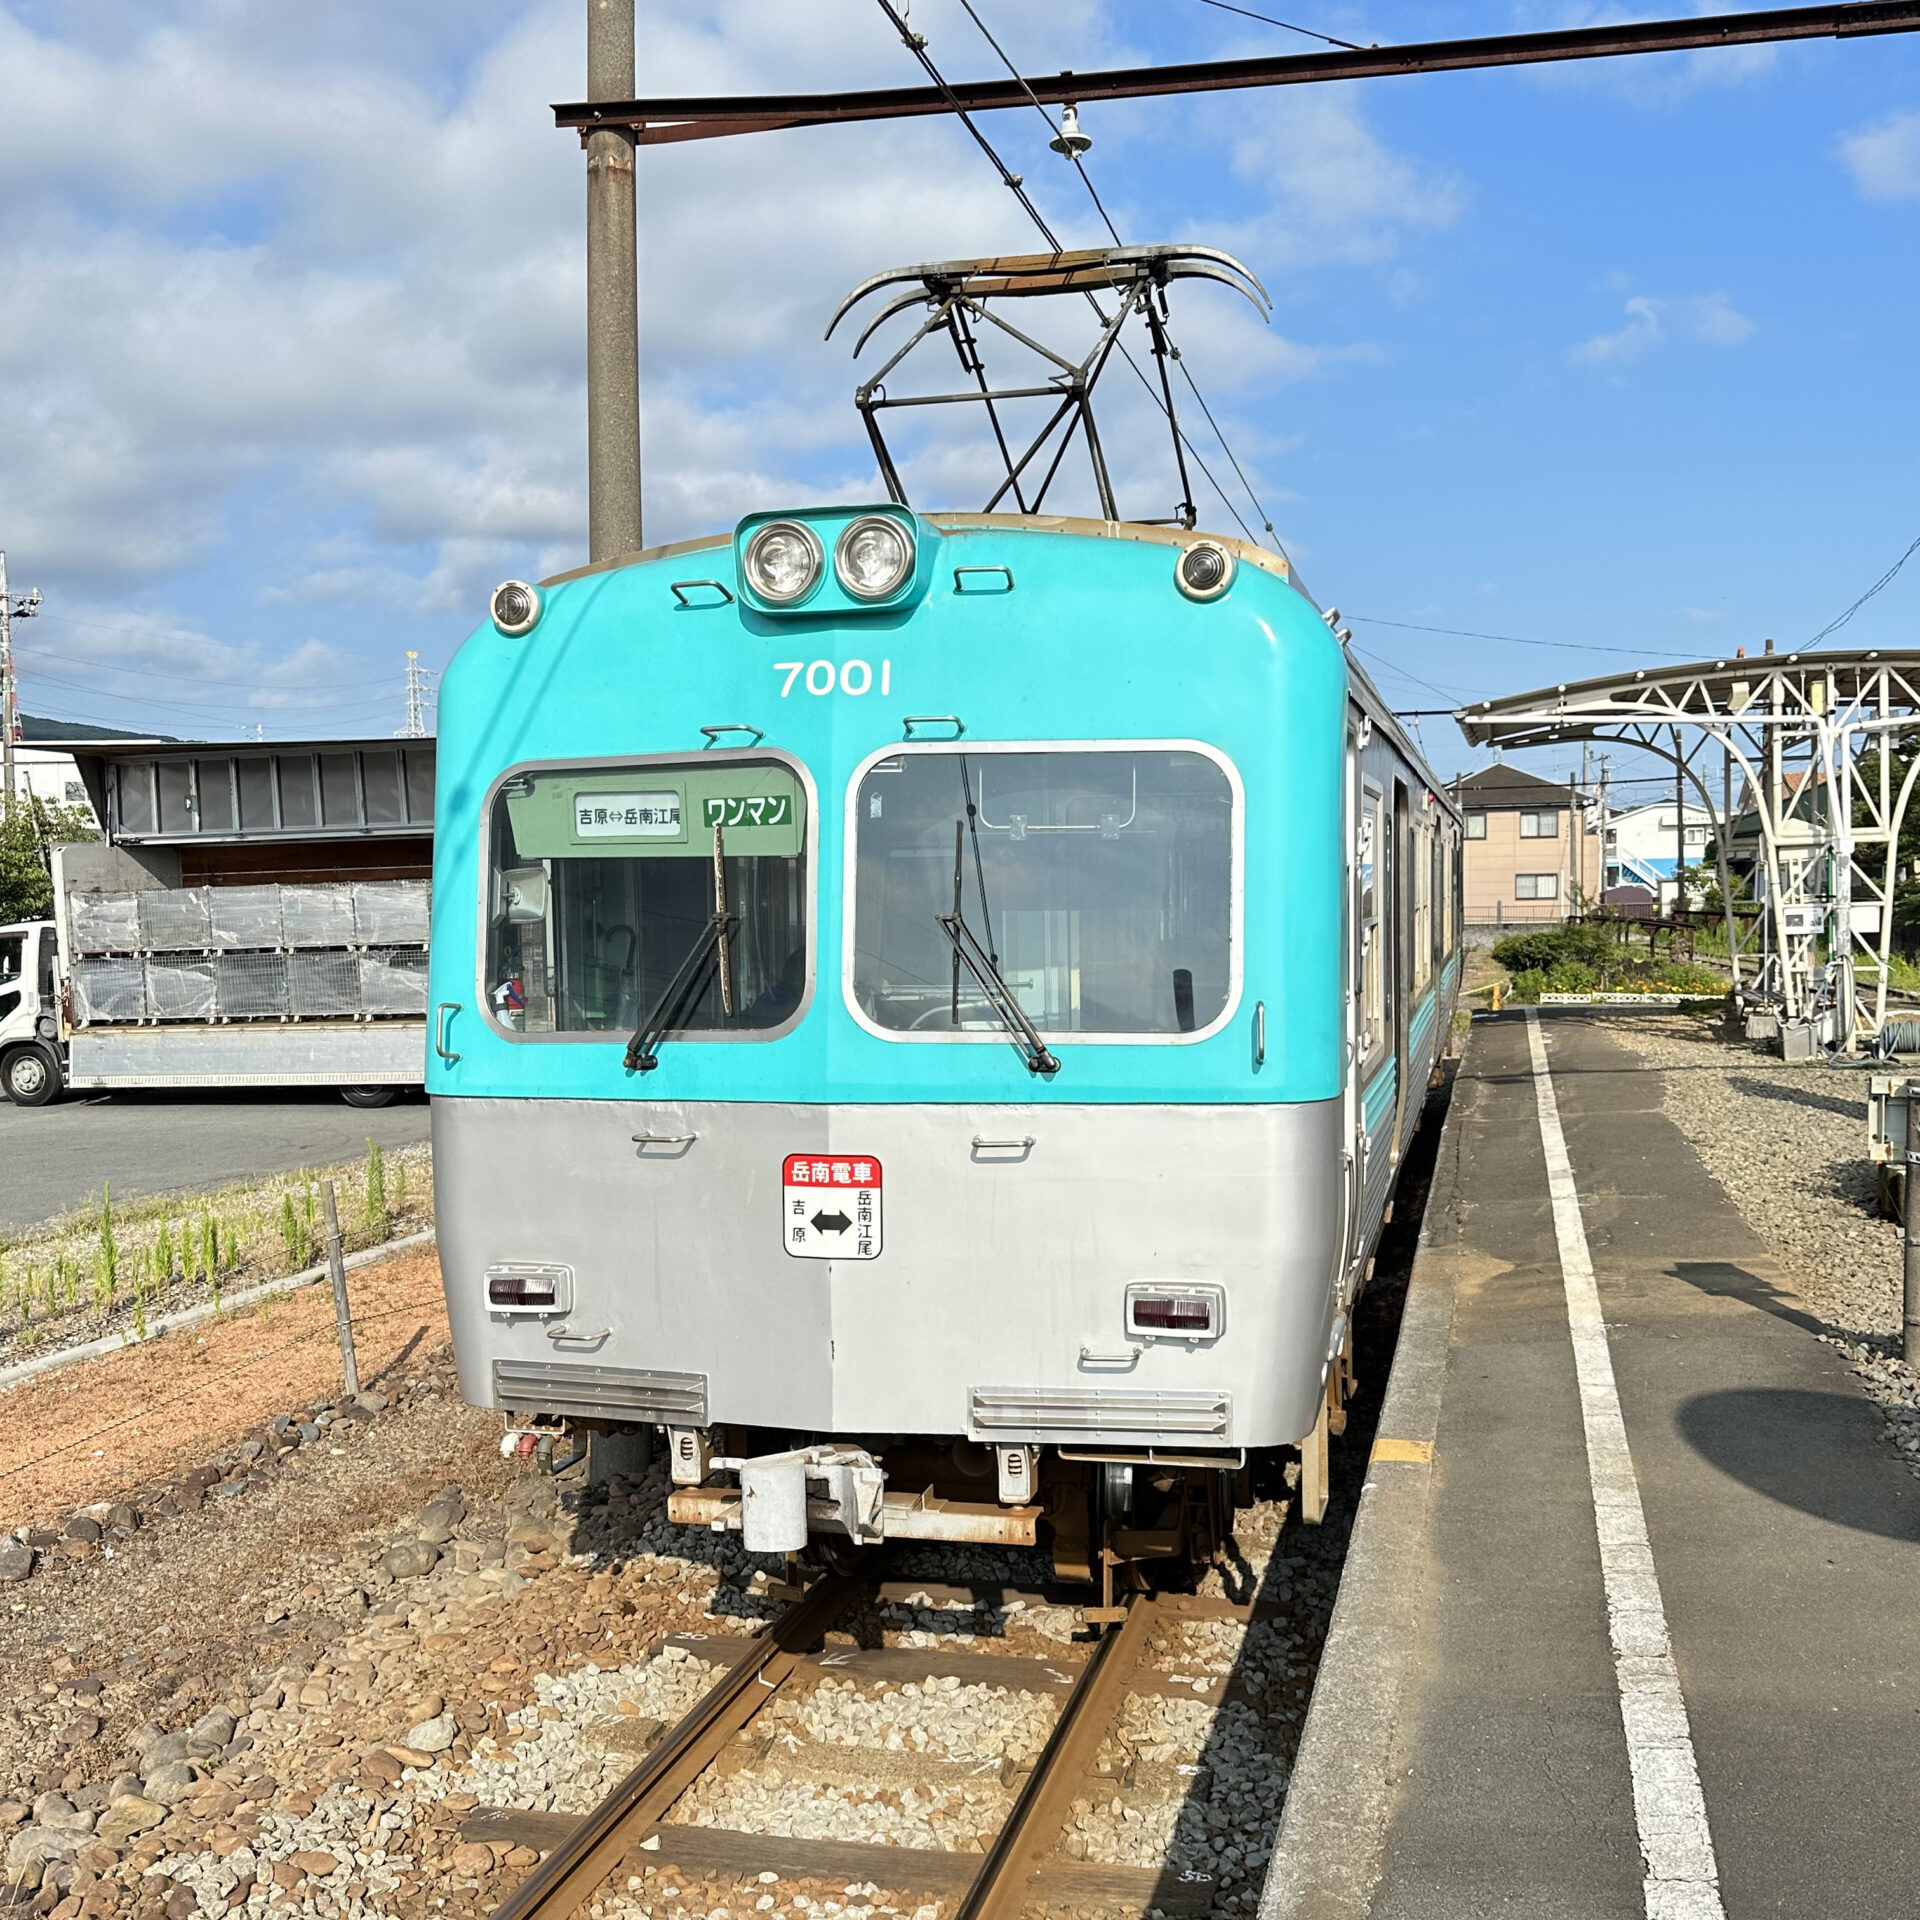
116, 1265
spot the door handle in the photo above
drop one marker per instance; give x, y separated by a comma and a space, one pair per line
440, 1029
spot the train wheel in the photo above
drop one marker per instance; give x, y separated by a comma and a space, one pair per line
842, 1556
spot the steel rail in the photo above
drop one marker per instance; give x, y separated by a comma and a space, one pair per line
715, 116
1039, 1816
563, 1880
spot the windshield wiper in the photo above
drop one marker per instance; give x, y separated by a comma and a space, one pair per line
643, 1048
968, 951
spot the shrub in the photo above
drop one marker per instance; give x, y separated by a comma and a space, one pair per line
1529, 983
1520, 952
1572, 976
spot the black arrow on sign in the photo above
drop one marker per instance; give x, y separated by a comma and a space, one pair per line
831, 1223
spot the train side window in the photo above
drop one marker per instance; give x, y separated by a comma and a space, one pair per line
1422, 856
1099, 880
1373, 999
602, 881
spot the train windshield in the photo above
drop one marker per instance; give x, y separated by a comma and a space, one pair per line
1099, 881
604, 880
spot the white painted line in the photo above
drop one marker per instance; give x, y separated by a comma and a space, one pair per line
1683, 1878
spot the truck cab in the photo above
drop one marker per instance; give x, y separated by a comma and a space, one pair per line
31, 1068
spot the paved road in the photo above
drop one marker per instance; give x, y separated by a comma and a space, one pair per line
54, 1158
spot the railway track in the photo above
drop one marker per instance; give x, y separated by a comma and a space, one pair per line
1022, 1870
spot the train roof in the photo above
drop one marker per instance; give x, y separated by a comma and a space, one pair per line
1248, 552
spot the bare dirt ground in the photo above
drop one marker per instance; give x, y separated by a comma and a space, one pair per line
104, 1429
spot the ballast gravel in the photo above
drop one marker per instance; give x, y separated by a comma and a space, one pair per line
1789, 1146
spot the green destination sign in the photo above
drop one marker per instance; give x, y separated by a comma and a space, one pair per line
657, 812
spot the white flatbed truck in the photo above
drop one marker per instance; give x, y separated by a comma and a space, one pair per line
43, 1051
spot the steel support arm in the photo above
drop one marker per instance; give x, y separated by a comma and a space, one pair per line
715, 116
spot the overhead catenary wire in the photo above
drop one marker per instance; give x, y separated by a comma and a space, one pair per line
1100, 207
1267, 19
1514, 639
917, 46
1885, 580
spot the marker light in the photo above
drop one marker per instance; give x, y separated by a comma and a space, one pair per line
515, 606
782, 562
1204, 570
1172, 1311
873, 557
527, 1288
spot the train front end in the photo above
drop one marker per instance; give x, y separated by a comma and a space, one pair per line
888, 1020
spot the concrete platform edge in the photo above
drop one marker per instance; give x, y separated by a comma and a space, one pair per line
1328, 1853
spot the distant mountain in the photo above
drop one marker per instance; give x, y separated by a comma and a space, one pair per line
48, 732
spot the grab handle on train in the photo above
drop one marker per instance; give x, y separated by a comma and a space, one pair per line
564, 1335
1006, 573
440, 1029
663, 1139
1259, 1035
1120, 1361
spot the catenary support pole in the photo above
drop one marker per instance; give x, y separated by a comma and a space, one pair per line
343, 1319
1910, 1209
6, 684
613, 313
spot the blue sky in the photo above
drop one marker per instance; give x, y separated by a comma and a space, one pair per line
1613, 356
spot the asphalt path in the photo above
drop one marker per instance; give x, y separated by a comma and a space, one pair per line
55, 1158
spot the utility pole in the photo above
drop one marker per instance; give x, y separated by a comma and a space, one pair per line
1606, 769
10, 610
613, 284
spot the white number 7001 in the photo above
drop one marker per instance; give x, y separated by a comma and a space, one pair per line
850, 676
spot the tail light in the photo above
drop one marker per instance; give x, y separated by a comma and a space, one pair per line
518, 1287
1171, 1310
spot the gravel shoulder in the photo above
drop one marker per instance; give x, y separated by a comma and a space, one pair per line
1789, 1145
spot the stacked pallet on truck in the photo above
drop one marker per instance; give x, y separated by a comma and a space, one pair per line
322, 951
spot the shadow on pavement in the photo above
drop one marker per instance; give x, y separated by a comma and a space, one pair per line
1800, 1448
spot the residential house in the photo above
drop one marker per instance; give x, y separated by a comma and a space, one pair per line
1532, 851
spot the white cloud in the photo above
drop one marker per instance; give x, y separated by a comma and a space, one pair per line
1884, 158
1337, 192
309, 316
1709, 318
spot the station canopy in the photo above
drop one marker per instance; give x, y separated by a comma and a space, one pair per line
1798, 737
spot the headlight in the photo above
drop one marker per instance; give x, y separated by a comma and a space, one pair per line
873, 557
783, 562
515, 606
1204, 570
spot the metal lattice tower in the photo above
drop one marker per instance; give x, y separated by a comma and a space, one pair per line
1795, 726
416, 727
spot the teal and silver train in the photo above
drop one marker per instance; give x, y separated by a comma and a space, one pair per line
928, 1010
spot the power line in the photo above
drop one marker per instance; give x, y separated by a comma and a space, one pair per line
109, 665
918, 46
1885, 580
1268, 20
1514, 640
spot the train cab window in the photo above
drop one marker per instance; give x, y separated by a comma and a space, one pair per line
603, 882
1099, 881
